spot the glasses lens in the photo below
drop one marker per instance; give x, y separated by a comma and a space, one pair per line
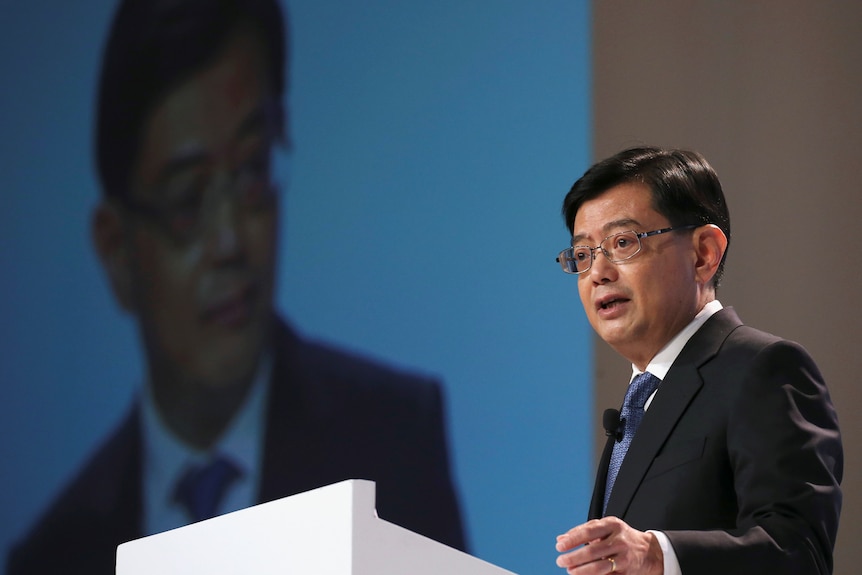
621, 246
565, 259
575, 260
582, 258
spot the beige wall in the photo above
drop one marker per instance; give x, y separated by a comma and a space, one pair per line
771, 94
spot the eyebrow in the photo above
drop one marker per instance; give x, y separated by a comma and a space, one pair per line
608, 228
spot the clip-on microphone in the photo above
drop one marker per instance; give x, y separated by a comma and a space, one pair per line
614, 426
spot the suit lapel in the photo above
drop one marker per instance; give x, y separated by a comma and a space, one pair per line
299, 420
111, 492
283, 437
598, 500
676, 392
679, 387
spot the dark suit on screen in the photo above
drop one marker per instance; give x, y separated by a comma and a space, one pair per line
738, 458
331, 416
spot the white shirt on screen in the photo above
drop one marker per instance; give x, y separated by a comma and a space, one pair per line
166, 457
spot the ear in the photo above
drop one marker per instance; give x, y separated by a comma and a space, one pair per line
109, 233
709, 246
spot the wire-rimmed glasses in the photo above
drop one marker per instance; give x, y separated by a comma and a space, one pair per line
617, 247
187, 203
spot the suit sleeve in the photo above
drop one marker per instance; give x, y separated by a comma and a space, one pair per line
786, 454
420, 493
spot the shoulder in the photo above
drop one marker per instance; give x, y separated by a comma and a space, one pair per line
766, 351
725, 337
354, 369
759, 369
94, 512
745, 362
323, 372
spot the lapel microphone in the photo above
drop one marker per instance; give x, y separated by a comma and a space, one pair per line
614, 426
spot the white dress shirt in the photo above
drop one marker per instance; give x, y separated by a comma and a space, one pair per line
166, 458
659, 366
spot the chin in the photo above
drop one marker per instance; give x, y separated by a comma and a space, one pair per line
225, 376
224, 358
615, 337
226, 366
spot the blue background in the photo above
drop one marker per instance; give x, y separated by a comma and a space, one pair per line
433, 143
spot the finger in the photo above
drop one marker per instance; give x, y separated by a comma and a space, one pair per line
596, 551
598, 566
591, 531
580, 556
565, 542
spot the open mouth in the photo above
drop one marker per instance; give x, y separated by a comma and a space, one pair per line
611, 303
234, 310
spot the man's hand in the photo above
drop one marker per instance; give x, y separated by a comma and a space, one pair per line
609, 545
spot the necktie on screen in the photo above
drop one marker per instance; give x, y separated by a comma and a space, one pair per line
631, 414
201, 488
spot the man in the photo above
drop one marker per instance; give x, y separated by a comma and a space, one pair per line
736, 462
237, 408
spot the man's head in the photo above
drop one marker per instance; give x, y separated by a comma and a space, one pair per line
154, 45
638, 304
189, 110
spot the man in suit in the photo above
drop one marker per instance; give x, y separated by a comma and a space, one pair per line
236, 408
728, 456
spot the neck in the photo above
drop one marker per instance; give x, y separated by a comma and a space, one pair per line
640, 356
198, 414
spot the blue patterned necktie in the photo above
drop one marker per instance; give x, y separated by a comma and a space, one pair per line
201, 488
632, 412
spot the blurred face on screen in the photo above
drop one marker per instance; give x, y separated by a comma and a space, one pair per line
200, 227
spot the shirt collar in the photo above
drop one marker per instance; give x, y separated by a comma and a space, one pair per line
660, 364
166, 456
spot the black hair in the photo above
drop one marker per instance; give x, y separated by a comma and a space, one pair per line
152, 46
685, 188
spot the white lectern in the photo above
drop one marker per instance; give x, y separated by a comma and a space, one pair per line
333, 530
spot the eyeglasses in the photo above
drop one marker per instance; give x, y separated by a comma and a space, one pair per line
191, 202
617, 248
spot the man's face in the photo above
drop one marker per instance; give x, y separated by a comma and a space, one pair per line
202, 273
637, 305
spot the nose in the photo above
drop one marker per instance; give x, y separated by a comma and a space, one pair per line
601, 269
222, 234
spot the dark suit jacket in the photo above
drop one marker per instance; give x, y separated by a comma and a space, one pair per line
738, 458
331, 416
